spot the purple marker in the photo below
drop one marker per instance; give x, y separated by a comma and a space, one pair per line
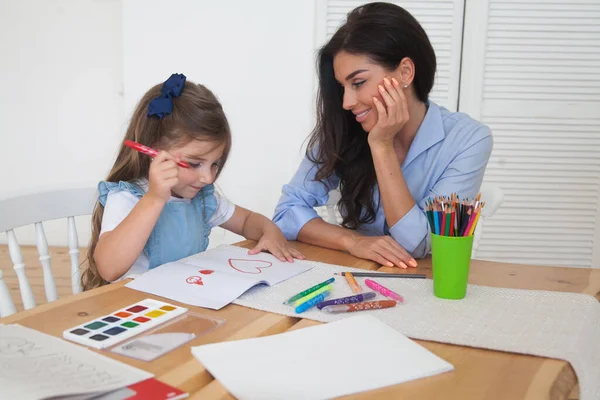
357, 298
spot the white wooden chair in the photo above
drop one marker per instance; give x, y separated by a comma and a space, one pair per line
493, 197
30, 209
491, 194
330, 212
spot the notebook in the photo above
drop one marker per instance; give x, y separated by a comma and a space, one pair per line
34, 365
215, 278
353, 355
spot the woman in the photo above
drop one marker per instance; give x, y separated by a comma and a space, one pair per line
382, 142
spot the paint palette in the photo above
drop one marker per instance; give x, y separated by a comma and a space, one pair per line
103, 332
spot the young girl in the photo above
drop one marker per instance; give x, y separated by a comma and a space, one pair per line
152, 211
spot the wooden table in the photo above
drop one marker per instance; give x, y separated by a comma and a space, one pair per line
478, 374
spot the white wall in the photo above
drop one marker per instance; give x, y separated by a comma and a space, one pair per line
60, 75
72, 71
257, 57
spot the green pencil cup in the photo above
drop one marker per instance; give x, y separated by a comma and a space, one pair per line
451, 259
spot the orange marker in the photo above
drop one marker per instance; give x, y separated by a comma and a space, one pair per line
352, 282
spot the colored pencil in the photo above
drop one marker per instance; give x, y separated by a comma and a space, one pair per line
453, 216
384, 275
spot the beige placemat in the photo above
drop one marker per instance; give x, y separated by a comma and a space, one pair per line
548, 324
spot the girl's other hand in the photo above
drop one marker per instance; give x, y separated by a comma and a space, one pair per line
275, 243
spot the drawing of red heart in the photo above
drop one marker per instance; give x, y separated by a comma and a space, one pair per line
206, 271
249, 266
195, 280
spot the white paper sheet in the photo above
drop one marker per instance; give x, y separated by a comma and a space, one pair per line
352, 355
34, 365
216, 277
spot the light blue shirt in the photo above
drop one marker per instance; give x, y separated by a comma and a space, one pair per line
448, 155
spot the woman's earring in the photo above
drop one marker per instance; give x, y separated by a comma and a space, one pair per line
405, 86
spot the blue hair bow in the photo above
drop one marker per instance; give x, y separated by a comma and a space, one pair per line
163, 104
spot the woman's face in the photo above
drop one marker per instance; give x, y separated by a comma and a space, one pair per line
359, 76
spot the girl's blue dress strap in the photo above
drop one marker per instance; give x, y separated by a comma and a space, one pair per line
106, 187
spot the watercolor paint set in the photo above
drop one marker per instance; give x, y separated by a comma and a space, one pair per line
125, 323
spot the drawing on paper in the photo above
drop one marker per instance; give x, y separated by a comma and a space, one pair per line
249, 266
206, 271
14, 345
195, 280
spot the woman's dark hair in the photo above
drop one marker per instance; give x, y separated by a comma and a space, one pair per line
386, 34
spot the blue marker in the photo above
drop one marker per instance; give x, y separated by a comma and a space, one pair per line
312, 302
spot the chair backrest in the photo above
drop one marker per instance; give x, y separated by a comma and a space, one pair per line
35, 208
491, 194
493, 197
329, 212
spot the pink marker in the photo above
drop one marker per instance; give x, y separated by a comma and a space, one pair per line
383, 290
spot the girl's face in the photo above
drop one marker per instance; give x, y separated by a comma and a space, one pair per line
359, 77
204, 158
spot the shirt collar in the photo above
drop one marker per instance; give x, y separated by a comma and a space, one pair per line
429, 133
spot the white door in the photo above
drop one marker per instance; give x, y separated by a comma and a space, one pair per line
531, 72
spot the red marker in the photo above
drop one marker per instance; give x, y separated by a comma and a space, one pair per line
150, 151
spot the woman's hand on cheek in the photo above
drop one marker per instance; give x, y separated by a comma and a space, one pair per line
392, 113
275, 243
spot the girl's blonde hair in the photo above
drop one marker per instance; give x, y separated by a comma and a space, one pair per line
197, 115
